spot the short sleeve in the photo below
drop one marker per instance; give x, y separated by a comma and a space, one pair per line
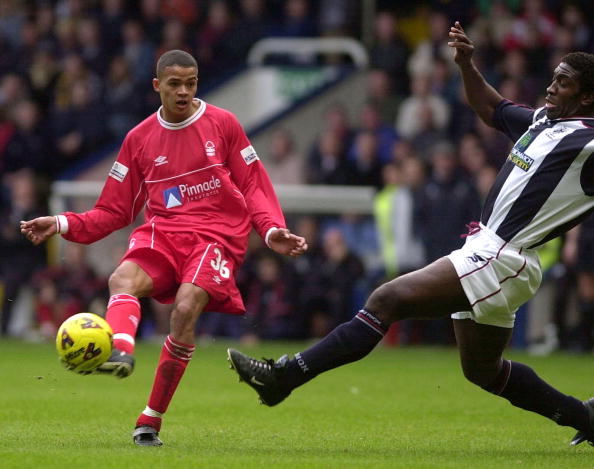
513, 119
587, 176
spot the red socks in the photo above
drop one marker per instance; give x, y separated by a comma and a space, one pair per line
123, 315
172, 364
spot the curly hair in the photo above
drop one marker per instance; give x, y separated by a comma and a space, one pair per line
175, 57
584, 64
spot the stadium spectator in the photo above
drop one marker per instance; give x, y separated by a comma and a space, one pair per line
12, 17
45, 21
8, 57
515, 67
42, 76
28, 45
370, 122
284, 164
123, 99
74, 71
12, 90
401, 249
494, 143
66, 289
19, 259
92, 50
78, 128
111, 17
30, 145
422, 59
327, 162
578, 254
365, 166
152, 20
270, 303
175, 37
186, 11
138, 51
490, 30
381, 96
473, 157
447, 201
342, 270
296, 20
195, 232
251, 26
336, 118
311, 298
422, 110
215, 42
66, 40
573, 19
390, 52
338, 17
548, 178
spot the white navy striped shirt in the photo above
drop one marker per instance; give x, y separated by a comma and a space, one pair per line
546, 185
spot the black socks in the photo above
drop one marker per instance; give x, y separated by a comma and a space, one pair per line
522, 387
349, 342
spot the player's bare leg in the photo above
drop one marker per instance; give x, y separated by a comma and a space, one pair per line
127, 284
481, 348
175, 356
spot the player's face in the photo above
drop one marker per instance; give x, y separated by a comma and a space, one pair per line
563, 94
177, 87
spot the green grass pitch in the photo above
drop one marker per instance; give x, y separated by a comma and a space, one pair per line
398, 408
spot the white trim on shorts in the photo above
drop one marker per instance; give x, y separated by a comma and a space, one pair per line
497, 277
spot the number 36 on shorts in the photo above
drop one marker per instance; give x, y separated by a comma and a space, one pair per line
219, 264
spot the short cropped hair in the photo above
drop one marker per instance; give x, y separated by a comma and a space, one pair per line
175, 57
584, 64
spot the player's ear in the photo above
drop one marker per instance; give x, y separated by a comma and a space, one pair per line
587, 99
156, 85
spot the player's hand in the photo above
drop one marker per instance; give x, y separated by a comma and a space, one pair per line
39, 229
287, 243
463, 46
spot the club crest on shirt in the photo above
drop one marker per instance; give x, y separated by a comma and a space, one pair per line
209, 148
249, 155
556, 131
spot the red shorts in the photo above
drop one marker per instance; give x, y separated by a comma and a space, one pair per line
173, 258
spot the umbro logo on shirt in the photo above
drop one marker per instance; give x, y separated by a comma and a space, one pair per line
159, 160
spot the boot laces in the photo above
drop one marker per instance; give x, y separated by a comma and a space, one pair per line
264, 366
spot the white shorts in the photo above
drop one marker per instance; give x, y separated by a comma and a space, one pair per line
496, 276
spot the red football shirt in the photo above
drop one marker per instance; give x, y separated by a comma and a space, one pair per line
200, 175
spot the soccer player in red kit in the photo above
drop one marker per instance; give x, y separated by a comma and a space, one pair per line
202, 186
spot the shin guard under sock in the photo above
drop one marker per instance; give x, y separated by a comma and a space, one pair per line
123, 315
522, 387
173, 361
347, 343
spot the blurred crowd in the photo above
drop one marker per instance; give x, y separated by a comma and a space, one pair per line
76, 74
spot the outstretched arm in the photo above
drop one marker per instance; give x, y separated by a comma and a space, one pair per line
482, 97
287, 243
39, 229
